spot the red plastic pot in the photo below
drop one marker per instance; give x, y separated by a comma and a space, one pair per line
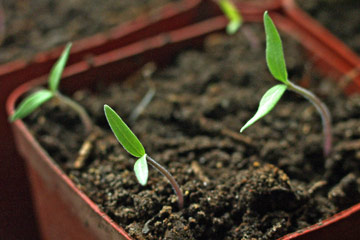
64, 212
170, 17
15, 203
177, 14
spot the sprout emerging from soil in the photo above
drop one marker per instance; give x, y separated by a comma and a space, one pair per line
133, 146
35, 100
276, 64
232, 13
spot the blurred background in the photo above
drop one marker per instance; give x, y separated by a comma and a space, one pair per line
31, 26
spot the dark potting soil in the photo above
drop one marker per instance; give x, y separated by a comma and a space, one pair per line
341, 17
264, 183
33, 26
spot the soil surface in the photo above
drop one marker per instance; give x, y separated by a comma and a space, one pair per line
341, 17
267, 182
32, 26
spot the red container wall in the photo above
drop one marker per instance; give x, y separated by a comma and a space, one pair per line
15, 204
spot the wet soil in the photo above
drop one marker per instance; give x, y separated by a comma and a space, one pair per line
32, 26
341, 17
267, 182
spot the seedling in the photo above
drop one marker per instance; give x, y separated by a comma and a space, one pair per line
276, 64
35, 100
133, 146
232, 13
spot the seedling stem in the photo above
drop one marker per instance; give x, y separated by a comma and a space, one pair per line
84, 117
322, 109
171, 179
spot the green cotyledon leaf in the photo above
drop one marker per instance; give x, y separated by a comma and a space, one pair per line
58, 68
267, 103
30, 103
141, 170
123, 133
274, 51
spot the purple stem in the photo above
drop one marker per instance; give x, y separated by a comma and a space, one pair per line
171, 179
324, 113
86, 120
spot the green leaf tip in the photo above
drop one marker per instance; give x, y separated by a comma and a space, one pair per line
141, 170
267, 103
58, 68
274, 51
233, 14
30, 103
123, 133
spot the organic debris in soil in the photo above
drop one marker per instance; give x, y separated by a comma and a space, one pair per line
263, 184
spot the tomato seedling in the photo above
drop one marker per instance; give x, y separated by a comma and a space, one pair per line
276, 64
36, 99
133, 146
